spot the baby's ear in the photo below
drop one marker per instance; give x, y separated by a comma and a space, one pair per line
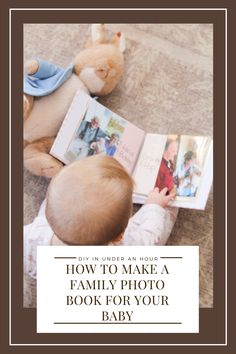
118, 40
117, 239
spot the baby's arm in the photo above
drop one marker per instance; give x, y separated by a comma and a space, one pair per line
153, 223
35, 234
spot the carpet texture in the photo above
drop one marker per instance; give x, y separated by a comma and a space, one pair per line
167, 88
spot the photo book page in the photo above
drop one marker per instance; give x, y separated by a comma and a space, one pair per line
182, 164
89, 128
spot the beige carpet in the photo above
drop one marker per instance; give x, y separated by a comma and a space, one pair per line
166, 88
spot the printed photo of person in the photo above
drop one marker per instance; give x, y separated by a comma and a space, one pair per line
165, 178
98, 133
87, 133
184, 175
106, 146
190, 163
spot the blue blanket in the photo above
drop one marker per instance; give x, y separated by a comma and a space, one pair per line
47, 78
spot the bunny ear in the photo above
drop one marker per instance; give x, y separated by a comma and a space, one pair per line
98, 33
122, 45
119, 41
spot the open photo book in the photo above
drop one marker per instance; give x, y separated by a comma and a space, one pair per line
178, 162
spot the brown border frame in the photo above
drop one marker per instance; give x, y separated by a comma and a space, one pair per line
20, 17
212, 326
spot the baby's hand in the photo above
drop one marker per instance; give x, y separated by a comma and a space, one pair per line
93, 145
160, 198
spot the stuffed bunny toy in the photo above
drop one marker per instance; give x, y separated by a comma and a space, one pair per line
96, 71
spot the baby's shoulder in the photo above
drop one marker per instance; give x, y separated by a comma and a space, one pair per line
39, 232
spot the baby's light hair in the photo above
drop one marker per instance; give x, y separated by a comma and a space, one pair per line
90, 201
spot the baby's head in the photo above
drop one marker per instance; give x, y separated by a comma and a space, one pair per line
189, 158
89, 202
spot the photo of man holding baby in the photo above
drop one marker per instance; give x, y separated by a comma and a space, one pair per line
87, 133
182, 164
99, 132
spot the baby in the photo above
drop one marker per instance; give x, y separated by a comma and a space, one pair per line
89, 202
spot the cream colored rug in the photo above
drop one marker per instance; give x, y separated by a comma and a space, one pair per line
166, 88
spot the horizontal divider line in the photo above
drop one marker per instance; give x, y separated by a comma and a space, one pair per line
55, 323
65, 257
76, 257
172, 257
